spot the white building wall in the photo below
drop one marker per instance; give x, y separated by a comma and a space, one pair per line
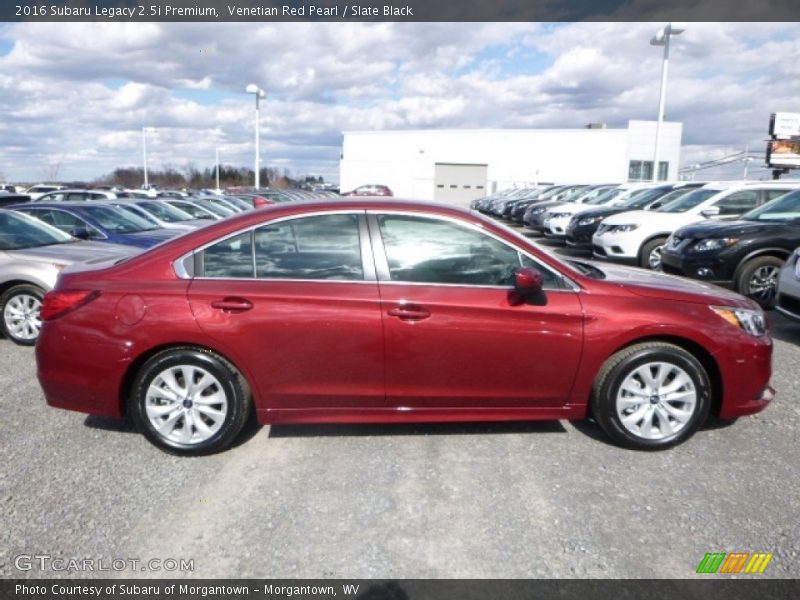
405, 160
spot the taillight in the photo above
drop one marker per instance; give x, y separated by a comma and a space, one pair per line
258, 201
58, 303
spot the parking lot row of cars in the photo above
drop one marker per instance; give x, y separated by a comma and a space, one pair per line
735, 234
39, 237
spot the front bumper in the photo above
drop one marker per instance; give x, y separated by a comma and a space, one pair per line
710, 268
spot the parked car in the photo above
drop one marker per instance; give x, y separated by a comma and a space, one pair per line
581, 227
42, 188
375, 311
746, 254
73, 195
7, 199
370, 190
788, 292
32, 254
98, 222
159, 214
637, 237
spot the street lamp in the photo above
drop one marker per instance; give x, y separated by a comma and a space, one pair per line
144, 155
259, 93
662, 39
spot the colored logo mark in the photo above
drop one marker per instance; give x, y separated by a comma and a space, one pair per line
734, 562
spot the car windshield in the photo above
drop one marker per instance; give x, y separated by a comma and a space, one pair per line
130, 209
166, 212
607, 196
215, 208
21, 231
642, 198
689, 201
117, 221
674, 195
782, 208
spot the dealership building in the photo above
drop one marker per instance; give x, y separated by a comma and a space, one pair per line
458, 165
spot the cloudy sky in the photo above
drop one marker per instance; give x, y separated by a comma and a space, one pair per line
74, 97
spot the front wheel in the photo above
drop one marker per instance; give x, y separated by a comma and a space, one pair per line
758, 279
650, 255
20, 306
190, 401
651, 396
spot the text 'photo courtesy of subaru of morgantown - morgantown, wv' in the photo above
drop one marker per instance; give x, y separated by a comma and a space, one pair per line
385, 310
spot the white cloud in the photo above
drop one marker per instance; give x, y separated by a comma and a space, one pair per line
80, 93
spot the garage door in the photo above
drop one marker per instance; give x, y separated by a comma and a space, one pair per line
459, 183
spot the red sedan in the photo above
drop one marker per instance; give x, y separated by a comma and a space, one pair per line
368, 310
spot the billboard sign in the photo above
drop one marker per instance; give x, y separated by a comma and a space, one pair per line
784, 125
783, 153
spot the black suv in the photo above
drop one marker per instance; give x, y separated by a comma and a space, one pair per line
746, 254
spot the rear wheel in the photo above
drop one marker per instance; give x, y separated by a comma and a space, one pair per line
20, 307
650, 254
758, 279
651, 396
190, 401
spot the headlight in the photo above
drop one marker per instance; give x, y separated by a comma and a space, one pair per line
751, 321
622, 228
589, 220
558, 215
538, 211
710, 244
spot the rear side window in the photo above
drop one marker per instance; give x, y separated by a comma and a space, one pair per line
323, 247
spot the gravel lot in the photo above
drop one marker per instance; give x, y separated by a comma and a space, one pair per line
504, 500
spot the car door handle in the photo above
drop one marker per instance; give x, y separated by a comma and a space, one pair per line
232, 305
410, 312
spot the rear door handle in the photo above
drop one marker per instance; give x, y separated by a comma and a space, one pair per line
232, 305
410, 312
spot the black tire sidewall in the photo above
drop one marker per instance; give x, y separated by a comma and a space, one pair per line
647, 248
28, 289
604, 404
228, 379
746, 273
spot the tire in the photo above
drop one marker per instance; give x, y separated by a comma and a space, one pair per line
20, 307
758, 279
166, 409
650, 254
630, 406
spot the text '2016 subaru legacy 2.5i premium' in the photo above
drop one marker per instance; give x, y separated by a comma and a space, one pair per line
367, 310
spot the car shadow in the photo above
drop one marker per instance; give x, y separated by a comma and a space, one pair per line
401, 429
783, 328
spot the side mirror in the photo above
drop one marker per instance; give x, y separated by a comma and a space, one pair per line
528, 283
655, 205
82, 233
711, 211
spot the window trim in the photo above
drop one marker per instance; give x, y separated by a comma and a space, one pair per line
195, 255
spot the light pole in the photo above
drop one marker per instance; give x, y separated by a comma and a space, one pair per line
217, 162
259, 93
662, 39
144, 155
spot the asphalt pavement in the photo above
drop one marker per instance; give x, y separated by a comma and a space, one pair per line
522, 500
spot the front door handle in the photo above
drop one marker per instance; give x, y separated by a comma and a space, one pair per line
232, 304
410, 312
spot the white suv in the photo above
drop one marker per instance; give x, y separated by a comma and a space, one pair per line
636, 237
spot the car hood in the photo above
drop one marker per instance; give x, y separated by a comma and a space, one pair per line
72, 252
648, 217
653, 284
601, 212
719, 229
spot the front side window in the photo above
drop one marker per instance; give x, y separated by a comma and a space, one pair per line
738, 202
424, 250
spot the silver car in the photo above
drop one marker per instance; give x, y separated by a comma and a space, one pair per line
788, 294
32, 254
